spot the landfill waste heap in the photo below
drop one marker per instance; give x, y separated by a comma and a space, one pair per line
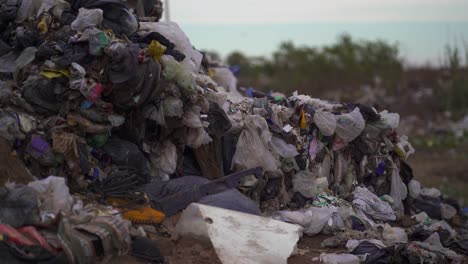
108, 124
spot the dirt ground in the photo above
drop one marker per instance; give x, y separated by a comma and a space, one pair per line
445, 169
190, 251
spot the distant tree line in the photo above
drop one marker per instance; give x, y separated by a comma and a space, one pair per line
345, 66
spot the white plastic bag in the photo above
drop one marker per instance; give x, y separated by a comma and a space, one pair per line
394, 235
398, 190
447, 211
313, 219
431, 192
196, 137
225, 78
191, 118
174, 33
77, 77
53, 194
173, 107
283, 149
422, 218
372, 206
325, 121
389, 120
251, 149
350, 126
168, 160
174, 71
307, 184
87, 18
414, 188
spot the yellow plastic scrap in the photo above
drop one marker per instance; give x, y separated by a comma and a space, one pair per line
109, 33
211, 72
144, 215
43, 25
303, 120
51, 74
400, 152
156, 50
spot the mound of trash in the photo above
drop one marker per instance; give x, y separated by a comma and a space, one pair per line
108, 123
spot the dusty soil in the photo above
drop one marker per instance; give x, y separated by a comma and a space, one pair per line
190, 251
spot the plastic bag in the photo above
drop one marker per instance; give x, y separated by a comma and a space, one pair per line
422, 218
312, 219
251, 149
280, 114
414, 189
389, 120
97, 42
87, 18
12, 63
403, 148
191, 118
325, 121
398, 190
350, 126
303, 182
116, 120
18, 206
27, 9
169, 157
125, 153
163, 159
53, 194
176, 72
308, 184
334, 225
196, 137
431, 192
174, 33
372, 206
173, 107
156, 113
394, 235
9, 128
448, 211
282, 148
225, 78
77, 76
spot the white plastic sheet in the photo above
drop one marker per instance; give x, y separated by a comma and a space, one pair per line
240, 238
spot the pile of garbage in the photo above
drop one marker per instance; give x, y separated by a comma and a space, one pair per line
108, 123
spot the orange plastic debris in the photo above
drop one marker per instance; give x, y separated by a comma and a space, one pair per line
144, 215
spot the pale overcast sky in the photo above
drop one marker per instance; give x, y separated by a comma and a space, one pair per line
304, 11
421, 28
